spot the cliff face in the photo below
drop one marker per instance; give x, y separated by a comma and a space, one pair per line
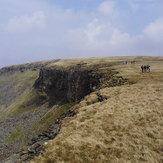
67, 85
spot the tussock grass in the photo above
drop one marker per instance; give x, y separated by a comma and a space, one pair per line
126, 127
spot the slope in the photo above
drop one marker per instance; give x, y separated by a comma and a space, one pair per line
19, 104
125, 125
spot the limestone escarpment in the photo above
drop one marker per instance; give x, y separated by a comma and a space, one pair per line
72, 84
66, 85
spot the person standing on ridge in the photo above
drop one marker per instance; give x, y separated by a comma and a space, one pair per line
142, 68
148, 68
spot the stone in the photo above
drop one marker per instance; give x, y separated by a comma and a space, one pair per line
24, 157
23, 153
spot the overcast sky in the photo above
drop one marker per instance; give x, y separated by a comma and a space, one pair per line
33, 30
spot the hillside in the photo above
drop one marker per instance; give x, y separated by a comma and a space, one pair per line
115, 110
125, 127
18, 105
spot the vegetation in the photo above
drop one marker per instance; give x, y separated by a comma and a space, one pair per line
15, 136
12, 86
125, 127
50, 117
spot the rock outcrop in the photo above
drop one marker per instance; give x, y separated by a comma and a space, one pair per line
72, 84
37, 144
67, 85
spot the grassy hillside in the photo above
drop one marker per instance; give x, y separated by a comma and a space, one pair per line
125, 127
13, 85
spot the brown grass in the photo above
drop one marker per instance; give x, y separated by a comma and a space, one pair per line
125, 128
86, 62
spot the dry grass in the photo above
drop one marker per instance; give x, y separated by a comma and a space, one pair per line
125, 128
86, 62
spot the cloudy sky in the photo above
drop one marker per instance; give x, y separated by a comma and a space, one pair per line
33, 30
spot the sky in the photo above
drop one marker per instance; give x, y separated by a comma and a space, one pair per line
34, 30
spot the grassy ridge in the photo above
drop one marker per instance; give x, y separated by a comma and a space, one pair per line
126, 127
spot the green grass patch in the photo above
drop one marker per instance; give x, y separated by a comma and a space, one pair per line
30, 99
13, 84
15, 136
2, 115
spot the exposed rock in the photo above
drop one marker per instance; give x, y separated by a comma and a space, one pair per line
101, 98
36, 146
71, 85
66, 85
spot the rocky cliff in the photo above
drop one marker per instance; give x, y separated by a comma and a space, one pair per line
67, 85
72, 84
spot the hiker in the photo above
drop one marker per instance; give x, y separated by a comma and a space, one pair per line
142, 68
148, 68
125, 62
145, 68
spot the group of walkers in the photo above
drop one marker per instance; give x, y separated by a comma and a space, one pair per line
145, 68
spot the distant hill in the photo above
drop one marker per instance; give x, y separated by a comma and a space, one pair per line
92, 110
